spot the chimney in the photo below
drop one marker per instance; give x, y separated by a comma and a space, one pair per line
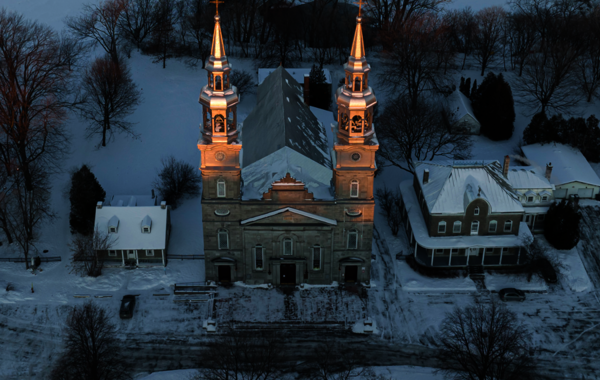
426, 176
548, 170
506, 165
163, 205
307, 89
99, 205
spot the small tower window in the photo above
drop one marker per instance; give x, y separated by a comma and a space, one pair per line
357, 83
223, 239
288, 246
316, 257
218, 83
258, 257
221, 188
476, 211
354, 189
344, 121
357, 124
353, 239
219, 123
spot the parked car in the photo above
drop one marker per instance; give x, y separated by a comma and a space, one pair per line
546, 270
511, 294
127, 305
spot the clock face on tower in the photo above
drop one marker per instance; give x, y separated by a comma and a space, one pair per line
219, 156
355, 156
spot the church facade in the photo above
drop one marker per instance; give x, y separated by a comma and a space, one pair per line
284, 202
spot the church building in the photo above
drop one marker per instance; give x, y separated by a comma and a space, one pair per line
282, 203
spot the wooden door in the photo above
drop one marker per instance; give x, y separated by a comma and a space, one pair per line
288, 274
224, 273
351, 273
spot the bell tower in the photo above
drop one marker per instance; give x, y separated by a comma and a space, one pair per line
355, 144
218, 143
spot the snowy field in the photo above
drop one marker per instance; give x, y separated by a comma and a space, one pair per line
406, 306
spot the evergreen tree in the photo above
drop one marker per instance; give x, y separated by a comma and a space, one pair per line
535, 131
561, 226
85, 193
320, 90
461, 86
474, 89
467, 90
493, 106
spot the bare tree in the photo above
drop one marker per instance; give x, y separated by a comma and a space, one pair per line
163, 34
334, 361
110, 96
176, 180
198, 21
390, 203
485, 342
589, 64
99, 23
85, 259
138, 21
92, 351
422, 132
463, 26
490, 22
35, 84
242, 356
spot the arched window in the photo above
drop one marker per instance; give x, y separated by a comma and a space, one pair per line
493, 226
316, 259
223, 239
218, 83
221, 193
357, 124
352, 239
349, 82
219, 123
457, 228
357, 83
476, 211
344, 121
288, 246
475, 227
508, 226
442, 227
259, 257
354, 188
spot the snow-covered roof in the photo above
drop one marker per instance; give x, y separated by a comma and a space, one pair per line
528, 177
129, 233
569, 165
296, 73
460, 105
130, 200
295, 211
421, 234
453, 185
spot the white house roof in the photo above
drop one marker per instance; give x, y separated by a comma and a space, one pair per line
421, 234
453, 185
460, 105
297, 74
568, 163
295, 211
129, 233
130, 200
528, 177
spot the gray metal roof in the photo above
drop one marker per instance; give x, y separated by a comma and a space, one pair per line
281, 119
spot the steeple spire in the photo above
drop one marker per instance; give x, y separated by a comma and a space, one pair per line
358, 45
218, 48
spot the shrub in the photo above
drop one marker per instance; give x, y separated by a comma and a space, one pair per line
243, 81
561, 226
493, 106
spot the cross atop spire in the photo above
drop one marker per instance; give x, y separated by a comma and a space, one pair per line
360, 3
217, 2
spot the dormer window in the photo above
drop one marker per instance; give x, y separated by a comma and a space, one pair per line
476, 211
113, 224
544, 198
530, 199
146, 224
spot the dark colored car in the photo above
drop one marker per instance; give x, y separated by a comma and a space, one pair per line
546, 270
511, 294
127, 305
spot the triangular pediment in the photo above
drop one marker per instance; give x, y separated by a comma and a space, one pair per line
289, 215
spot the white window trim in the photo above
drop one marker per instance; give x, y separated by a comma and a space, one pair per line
149, 252
262, 254
454, 251
476, 231
476, 211
504, 250
354, 232
494, 223
508, 223
112, 252
219, 193
488, 250
291, 246
219, 232
146, 229
112, 229
317, 247
439, 251
459, 224
352, 183
440, 225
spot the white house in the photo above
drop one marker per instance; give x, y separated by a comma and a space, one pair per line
568, 170
139, 234
460, 106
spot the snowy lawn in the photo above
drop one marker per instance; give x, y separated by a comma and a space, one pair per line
497, 281
572, 274
412, 281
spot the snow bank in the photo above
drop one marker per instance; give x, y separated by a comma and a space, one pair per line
180, 374
495, 282
414, 282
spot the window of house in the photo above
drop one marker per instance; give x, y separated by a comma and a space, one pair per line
442, 227
493, 226
146, 229
454, 251
112, 252
508, 226
475, 227
529, 198
353, 239
288, 246
112, 229
258, 257
149, 252
223, 239
544, 198
504, 251
457, 227
439, 251
476, 211
354, 189
488, 251
316, 257
221, 188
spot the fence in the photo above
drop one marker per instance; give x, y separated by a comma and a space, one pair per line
185, 257
22, 259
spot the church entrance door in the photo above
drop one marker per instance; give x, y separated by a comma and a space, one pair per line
288, 274
351, 273
224, 273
